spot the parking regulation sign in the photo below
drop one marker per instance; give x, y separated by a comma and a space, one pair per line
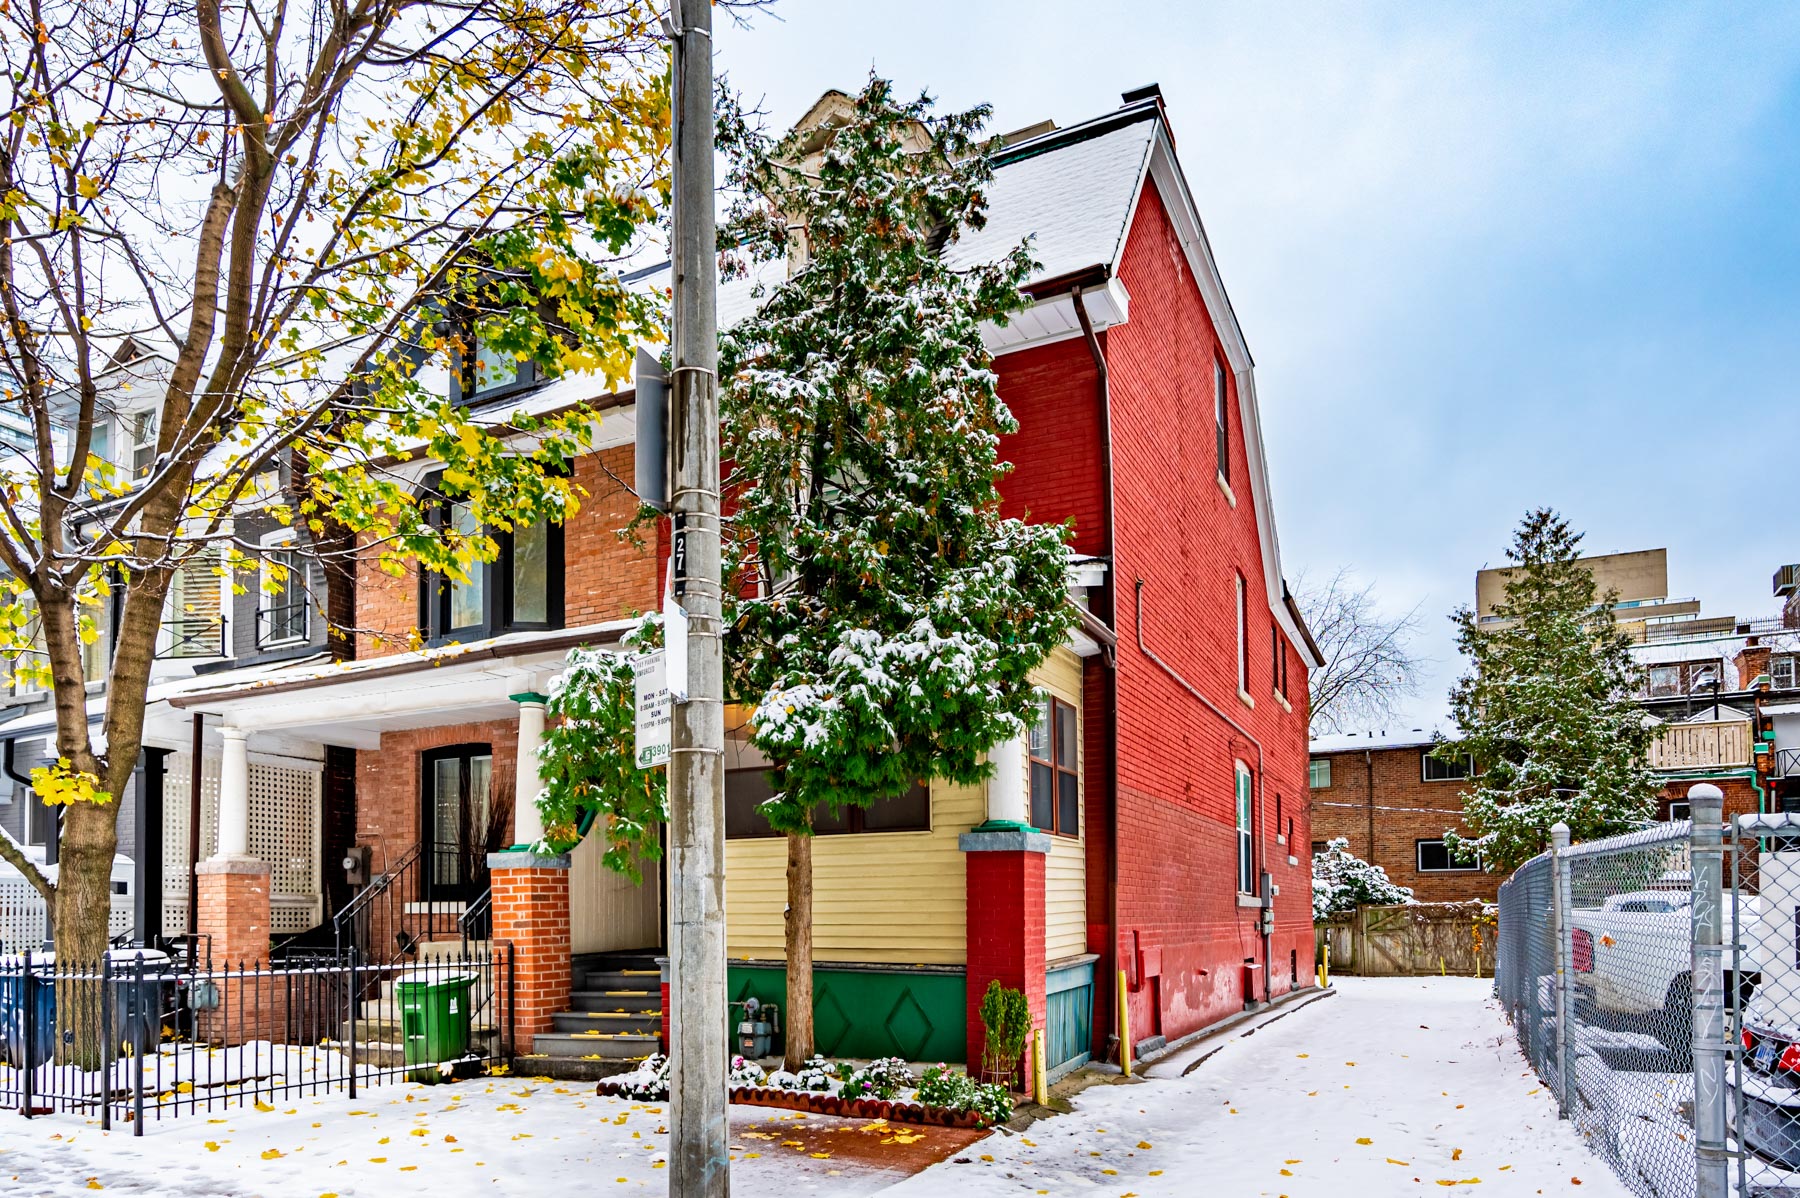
655, 723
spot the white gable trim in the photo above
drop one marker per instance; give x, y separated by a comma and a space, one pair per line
1171, 186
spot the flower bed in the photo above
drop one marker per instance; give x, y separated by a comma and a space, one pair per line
943, 1098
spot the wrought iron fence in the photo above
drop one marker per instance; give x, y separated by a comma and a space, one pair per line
141, 1037
283, 623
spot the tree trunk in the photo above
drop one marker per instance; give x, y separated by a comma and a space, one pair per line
799, 1022
83, 905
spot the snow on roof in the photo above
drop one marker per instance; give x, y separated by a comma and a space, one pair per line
1074, 201
1406, 738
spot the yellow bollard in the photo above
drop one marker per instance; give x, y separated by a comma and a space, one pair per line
1443, 969
1040, 1085
1124, 1028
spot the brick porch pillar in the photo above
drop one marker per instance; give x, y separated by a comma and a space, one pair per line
1005, 879
531, 912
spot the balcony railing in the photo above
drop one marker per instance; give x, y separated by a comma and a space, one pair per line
1787, 763
283, 624
194, 636
1695, 746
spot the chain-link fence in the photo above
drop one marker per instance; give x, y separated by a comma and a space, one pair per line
1764, 1079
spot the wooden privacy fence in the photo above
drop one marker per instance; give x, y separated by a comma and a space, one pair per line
1412, 939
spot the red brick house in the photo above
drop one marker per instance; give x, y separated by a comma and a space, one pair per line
1144, 842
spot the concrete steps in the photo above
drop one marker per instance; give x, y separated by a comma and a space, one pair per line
614, 1020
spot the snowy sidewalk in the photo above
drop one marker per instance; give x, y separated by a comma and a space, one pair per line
1404, 1086
493, 1136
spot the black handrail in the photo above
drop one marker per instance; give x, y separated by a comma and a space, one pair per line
1787, 763
350, 926
195, 636
477, 920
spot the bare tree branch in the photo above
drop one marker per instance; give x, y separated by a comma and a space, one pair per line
1369, 663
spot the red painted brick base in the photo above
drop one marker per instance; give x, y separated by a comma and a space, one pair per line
531, 913
1005, 934
233, 911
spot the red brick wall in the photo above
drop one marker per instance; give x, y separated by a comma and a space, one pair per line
1175, 530
1407, 810
531, 912
1061, 474
1006, 938
605, 578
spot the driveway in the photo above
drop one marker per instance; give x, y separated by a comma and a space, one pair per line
1390, 1086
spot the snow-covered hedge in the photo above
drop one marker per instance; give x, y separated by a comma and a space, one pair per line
1343, 881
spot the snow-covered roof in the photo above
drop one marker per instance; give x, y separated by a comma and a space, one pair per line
1404, 738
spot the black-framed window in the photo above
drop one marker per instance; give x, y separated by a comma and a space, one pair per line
1243, 636
1433, 857
521, 589
1222, 419
486, 373
456, 783
1055, 782
1434, 769
746, 789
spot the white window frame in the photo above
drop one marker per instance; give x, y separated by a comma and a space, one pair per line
1426, 760
1451, 868
1679, 810
1312, 773
1792, 663
1673, 689
1243, 641
275, 542
1244, 818
136, 426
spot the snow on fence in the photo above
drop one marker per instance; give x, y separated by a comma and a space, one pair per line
1653, 979
140, 1037
1411, 939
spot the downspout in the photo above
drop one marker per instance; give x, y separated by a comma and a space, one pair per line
1109, 698
1369, 798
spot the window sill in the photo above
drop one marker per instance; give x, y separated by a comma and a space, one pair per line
1230, 495
1285, 705
1293, 860
1281, 839
1248, 900
1248, 701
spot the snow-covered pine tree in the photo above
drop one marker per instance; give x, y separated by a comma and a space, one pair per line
1343, 881
882, 618
1547, 708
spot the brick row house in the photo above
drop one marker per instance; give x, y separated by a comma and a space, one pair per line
1140, 844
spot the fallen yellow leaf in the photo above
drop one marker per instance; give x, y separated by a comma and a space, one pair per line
1364, 1140
1392, 1161
1456, 1154
212, 1146
264, 1106
1141, 1143
270, 1154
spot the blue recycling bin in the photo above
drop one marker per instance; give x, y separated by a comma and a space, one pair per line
13, 1009
138, 1007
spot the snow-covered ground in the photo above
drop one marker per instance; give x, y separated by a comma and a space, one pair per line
1392, 1086
1402, 1086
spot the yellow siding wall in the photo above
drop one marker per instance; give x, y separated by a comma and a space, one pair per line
1065, 873
899, 897
890, 897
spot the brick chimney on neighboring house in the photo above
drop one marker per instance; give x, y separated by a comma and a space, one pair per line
1752, 662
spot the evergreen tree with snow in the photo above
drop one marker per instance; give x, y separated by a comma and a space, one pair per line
1548, 708
1342, 881
882, 618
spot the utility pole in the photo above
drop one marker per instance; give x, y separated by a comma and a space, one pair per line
699, 1158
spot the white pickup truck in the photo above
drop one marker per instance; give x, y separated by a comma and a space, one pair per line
1632, 955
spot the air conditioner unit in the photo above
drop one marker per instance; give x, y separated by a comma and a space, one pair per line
1787, 580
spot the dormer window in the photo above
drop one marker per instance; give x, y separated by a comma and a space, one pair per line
491, 372
521, 589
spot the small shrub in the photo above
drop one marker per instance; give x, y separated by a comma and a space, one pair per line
1006, 1016
816, 1074
745, 1073
883, 1078
944, 1087
649, 1082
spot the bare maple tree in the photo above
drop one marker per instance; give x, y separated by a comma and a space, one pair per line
1369, 663
320, 208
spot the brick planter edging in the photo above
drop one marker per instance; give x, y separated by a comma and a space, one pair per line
817, 1103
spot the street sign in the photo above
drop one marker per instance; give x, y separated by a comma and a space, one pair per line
655, 723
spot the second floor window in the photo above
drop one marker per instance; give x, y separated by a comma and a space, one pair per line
521, 589
282, 603
1055, 784
1433, 769
1318, 773
1784, 671
1243, 643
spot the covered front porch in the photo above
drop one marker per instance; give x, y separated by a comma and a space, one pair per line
425, 815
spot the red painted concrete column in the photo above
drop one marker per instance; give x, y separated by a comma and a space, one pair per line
531, 913
1005, 879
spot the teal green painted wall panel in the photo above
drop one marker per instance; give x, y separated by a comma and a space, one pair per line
918, 1016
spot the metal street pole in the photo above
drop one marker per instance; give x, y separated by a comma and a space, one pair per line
699, 1159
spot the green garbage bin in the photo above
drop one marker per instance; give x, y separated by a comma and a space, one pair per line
434, 1017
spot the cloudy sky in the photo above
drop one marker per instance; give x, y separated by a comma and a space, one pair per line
1485, 259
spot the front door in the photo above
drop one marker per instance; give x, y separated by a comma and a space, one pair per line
455, 821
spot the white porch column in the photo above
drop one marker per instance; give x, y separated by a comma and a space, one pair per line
1009, 799
234, 793
528, 825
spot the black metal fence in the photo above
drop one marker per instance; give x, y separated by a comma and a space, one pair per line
142, 1037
